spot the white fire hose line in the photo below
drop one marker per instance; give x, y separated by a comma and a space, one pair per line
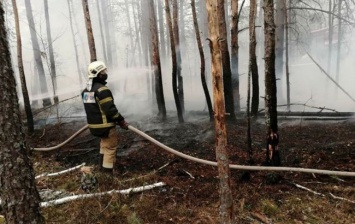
207, 162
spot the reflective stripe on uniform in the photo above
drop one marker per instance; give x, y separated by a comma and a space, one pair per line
108, 99
106, 125
102, 89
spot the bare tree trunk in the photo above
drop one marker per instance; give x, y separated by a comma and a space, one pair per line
330, 36
174, 62
144, 29
101, 31
202, 57
253, 68
111, 36
227, 73
26, 98
286, 58
37, 55
163, 45
74, 42
226, 211
156, 62
89, 31
105, 8
130, 34
178, 55
51, 53
339, 41
19, 195
270, 77
234, 55
138, 37
253, 61
279, 48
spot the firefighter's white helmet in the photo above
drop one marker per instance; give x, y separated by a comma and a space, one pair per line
95, 68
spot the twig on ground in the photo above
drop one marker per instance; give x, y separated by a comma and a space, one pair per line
83, 196
189, 174
59, 173
307, 189
340, 198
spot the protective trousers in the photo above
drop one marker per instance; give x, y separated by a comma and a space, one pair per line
108, 148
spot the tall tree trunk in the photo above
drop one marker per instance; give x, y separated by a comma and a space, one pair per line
203, 64
330, 36
145, 32
74, 42
130, 34
138, 37
20, 198
161, 30
227, 73
156, 62
279, 48
178, 55
111, 37
286, 58
89, 31
226, 200
26, 98
174, 62
101, 31
270, 77
51, 53
234, 55
106, 8
253, 61
339, 41
37, 55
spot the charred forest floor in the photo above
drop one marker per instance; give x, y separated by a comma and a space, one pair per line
191, 193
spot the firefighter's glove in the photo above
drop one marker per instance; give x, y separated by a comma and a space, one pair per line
123, 124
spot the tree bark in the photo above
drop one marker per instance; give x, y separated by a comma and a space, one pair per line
20, 198
202, 57
253, 66
161, 30
234, 55
174, 62
156, 62
279, 48
26, 98
227, 73
286, 58
51, 53
89, 31
339, 41
270, 78
226, 212
37, 55
178, 55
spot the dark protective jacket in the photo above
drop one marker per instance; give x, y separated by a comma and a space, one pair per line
101, 112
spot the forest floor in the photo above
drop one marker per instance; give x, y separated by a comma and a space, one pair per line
191, 192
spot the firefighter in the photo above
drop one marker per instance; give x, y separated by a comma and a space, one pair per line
102, 114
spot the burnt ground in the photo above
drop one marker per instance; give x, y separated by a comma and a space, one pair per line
191, 192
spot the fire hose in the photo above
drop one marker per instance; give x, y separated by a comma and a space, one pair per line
207, 162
